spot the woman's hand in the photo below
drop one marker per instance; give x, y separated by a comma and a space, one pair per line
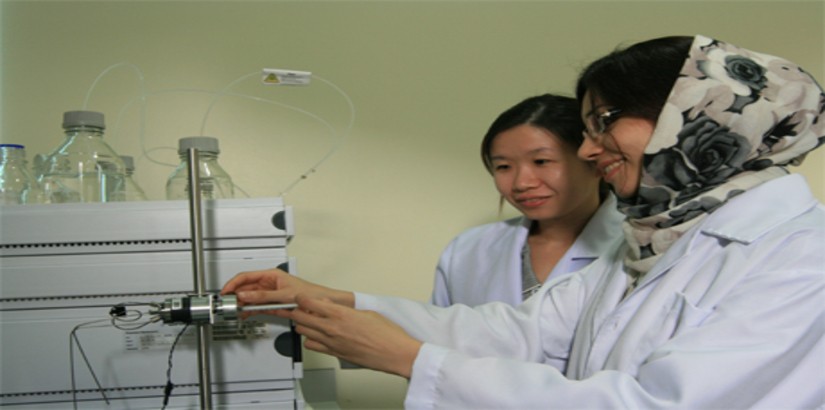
277, 286
362, 337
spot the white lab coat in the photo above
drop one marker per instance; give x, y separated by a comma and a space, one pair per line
483, 264
732, 316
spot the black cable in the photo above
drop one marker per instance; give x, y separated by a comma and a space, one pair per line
167, 391
118, 313
133, 323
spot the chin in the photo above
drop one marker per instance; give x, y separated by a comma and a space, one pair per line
539, 215
623, 192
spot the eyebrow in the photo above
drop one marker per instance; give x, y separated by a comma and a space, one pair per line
533, 151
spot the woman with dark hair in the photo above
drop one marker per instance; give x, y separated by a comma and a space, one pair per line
530, 151
714, 299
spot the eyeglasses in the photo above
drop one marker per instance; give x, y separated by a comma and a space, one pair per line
597, 124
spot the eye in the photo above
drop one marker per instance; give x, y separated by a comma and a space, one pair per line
500, 167
606, 119
542, 161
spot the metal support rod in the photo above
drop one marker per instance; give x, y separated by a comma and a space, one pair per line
256, 308
204, 329
195, 222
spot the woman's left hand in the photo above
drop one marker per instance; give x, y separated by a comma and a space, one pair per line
365, 338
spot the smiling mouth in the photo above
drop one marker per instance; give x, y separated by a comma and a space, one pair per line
609, 170
531, 202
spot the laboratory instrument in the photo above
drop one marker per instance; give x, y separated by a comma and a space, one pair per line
64, 267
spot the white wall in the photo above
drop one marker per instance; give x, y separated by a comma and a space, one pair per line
426, 78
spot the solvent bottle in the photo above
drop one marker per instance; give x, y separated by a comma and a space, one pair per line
17, 185
129, 190
215, 183
83, 168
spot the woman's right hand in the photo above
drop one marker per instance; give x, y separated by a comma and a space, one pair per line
363, 337
277, 286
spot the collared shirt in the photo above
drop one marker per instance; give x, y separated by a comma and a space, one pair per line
732, 316
484, 263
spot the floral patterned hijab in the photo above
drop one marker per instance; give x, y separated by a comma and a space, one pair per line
734, 119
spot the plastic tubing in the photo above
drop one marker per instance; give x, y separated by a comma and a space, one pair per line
142, 98
340, 142
225, 91
333, 150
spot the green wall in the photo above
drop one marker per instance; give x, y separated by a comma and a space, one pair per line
425, 77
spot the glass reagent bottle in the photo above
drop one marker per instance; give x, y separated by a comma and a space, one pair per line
17, 185
215, 183
129, 190
83, 168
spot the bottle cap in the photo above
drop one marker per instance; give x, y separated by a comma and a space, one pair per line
83, 118
129, 162
17, 146
204, 144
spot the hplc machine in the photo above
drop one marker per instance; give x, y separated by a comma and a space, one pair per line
83, 289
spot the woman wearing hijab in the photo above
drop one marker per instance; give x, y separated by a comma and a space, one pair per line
714, 300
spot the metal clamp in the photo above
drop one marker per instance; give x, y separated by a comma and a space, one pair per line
207, 309
197, 309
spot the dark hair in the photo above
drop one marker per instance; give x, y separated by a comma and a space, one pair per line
638, 79
555, 113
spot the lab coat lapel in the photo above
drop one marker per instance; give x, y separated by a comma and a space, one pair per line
608, 289
616, 331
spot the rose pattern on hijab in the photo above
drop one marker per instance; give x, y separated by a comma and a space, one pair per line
734, 119
748, 73
706, 155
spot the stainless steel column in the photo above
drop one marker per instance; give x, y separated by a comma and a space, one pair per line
204, 329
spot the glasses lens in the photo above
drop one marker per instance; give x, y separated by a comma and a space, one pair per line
603, 120
595, 124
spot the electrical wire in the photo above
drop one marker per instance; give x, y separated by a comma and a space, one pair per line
167, 390
118, 313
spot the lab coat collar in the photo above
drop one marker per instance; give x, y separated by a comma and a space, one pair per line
787, 197
604, 228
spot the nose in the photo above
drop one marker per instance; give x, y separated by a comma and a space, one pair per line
589, 149
525, 179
